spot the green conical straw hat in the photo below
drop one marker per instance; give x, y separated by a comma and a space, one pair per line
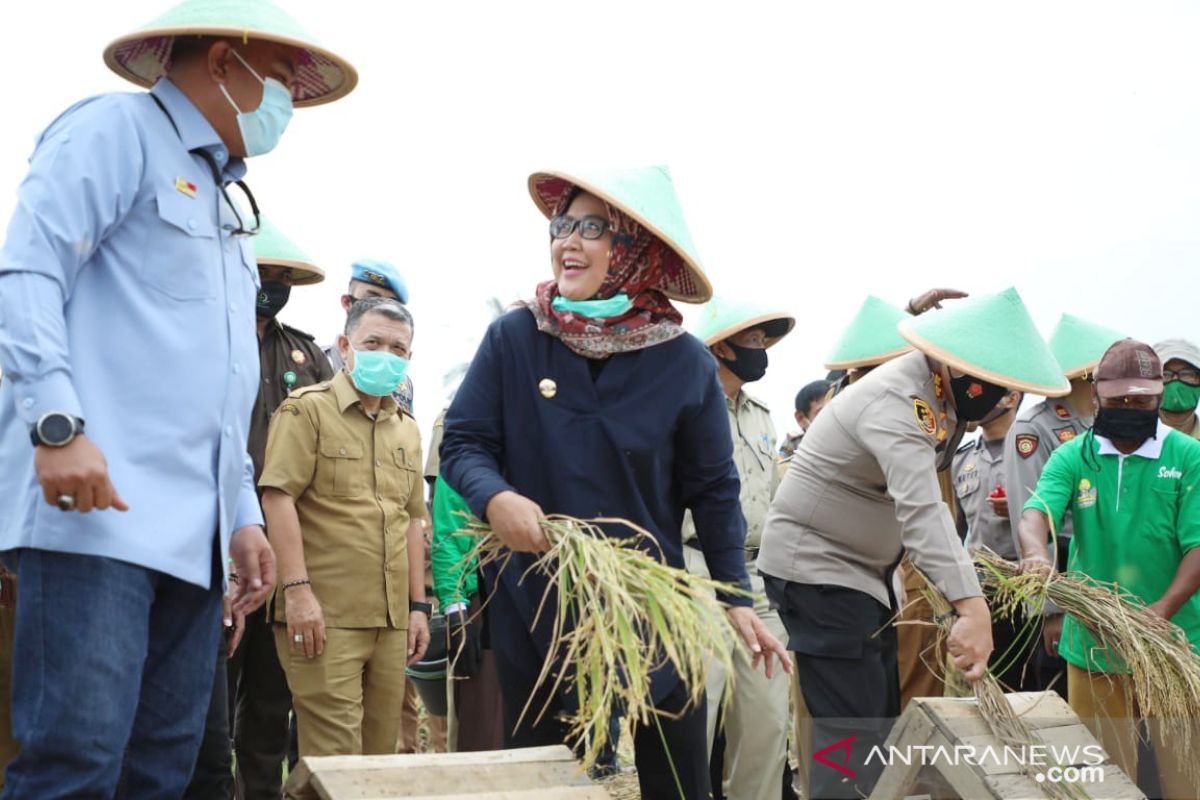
647, 195
273, 249
1077, 344
871, 338
143, 55
721, 318
991, 337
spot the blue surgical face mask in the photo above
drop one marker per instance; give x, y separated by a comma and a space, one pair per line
378, 372
263, 127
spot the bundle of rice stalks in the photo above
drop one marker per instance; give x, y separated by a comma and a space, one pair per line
620, 615
1162, 668
1005, 724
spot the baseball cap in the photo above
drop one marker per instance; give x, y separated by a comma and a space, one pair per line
1181, 349
1128, 367
380, 273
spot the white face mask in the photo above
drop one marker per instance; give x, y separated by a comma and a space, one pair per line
263, 127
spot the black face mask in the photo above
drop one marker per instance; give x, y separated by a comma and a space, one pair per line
751, 362
272, 297
974, 398
1126, 424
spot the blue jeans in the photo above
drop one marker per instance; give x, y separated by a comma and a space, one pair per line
112, 671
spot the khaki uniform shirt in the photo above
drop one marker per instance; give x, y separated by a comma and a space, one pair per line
754, 454
976, 475
1036, 434
865, 484
433, 459
357, 484
289, 359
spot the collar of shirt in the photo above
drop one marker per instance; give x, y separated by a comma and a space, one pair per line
347, 396
195, 131
1151, 448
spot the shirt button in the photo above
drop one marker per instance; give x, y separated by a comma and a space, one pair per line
27, 402
236, 369
378, 463
342, 451
233, 308
191, 224
229, 430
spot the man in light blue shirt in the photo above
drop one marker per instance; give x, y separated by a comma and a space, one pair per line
127, 342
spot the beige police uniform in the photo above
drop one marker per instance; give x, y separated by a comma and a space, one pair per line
977, 474
756, 721
1036, 434
356, 481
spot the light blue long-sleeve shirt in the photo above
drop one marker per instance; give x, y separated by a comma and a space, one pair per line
125, 300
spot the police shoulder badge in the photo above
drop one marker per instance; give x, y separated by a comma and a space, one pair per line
1064, 434
1026, 445
925, 417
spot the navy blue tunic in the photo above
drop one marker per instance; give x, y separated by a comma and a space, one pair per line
647, 439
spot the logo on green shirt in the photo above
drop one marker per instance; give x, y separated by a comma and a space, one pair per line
1087, 494
1169, 472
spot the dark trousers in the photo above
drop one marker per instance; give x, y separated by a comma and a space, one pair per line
845, 650
671, 755
112, 678
213, 777
479, 709
261, 704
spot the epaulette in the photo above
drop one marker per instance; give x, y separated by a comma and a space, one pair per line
323, 386
297, 332
757, 402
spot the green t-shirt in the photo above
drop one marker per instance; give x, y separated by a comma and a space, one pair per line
1135, 517
449, 547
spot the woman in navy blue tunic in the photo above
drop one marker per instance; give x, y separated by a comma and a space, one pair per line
591, 401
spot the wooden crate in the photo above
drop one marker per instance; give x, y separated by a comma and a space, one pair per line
943, 722
534, 773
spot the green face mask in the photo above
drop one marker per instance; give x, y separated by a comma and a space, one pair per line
1178, 396
614, 306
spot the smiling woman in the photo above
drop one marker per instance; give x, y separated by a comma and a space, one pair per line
590, 401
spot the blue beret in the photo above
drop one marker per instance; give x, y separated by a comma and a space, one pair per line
380, 273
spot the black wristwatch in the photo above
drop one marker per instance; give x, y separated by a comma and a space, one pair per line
55, 429
416, 605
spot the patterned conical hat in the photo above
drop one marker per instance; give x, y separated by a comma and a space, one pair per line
142, 56
991, 337
647, 195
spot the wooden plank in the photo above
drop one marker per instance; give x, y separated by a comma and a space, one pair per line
1014, 787
898, 778
967, 781
558, 793
356, 784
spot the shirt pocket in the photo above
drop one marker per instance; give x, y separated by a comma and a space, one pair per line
966, 484
402, 469
249, 260
343, 463
183, 257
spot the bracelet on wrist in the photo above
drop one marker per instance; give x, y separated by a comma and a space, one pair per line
294, 584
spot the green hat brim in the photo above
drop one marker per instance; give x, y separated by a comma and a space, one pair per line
990, 337
775, 325
142, 56
871, 337
274, 249
658, 211
1078, 345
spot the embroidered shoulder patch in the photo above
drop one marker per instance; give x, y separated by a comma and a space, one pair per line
1026, 445
925, 417
1064, 434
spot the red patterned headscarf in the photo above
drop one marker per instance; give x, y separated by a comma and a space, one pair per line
635, 266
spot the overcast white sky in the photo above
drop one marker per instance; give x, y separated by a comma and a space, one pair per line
822, 151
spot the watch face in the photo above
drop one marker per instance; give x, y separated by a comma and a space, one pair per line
56, 428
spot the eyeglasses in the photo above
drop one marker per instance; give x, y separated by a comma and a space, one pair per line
1189, 376
590, 227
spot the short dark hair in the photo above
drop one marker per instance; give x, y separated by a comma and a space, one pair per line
384, 306
185, 47
810, 394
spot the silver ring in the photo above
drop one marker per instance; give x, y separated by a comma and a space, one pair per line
299, 637
66, 502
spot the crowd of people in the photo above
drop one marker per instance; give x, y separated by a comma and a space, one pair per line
230, 550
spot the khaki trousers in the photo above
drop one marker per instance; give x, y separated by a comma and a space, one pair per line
349, 699
756, 720
917, 653
1099, 700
